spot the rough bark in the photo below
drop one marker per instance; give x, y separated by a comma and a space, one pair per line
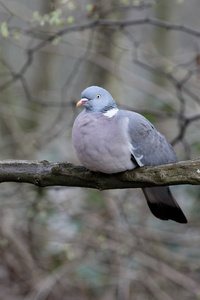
44, 173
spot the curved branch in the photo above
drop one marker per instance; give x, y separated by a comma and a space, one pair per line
46, 173
114, 24
91, 25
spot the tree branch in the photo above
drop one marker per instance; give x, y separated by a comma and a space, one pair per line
92, 25
46, 173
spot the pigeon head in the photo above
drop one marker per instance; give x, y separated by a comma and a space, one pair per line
96, 100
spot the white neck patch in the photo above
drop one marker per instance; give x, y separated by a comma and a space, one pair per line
111, 112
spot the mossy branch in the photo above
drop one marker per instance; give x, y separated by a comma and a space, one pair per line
44, 173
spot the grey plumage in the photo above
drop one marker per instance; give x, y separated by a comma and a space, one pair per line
109, 140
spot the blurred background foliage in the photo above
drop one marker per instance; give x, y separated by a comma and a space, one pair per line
73, 243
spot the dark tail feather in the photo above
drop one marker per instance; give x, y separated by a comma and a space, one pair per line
163, 205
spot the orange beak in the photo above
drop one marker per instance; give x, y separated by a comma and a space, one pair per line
81, 102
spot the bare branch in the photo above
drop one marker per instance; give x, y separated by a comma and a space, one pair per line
115, 24
46, 173
92, 25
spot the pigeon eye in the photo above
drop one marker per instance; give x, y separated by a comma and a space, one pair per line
98, 96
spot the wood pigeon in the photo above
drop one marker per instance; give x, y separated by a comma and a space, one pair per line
110, 140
